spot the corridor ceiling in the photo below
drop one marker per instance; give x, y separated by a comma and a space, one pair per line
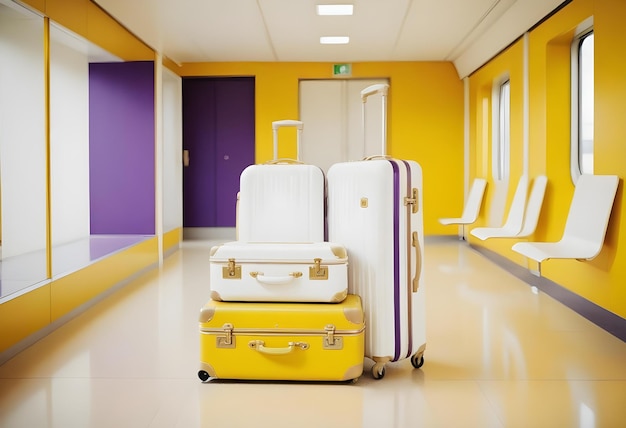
466, 32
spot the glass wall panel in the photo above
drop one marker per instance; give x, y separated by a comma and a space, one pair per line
23, 180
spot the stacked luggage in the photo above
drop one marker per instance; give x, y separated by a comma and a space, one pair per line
287, 304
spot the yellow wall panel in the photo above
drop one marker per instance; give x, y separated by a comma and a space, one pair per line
72, 14
89, 21
108, 34
508, 63
39, 5
71, 291
172, 239
23, 316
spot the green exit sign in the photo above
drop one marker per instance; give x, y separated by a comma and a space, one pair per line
342, 70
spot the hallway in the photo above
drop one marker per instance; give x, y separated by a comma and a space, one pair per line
499, 354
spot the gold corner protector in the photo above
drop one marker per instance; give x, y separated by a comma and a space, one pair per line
214, 250
206, 313
216, 296
354, 315
339, 297
339, 251
353, 372
209, 369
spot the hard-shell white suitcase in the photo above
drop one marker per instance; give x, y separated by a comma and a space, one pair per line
375, 211
279, 272
282, 200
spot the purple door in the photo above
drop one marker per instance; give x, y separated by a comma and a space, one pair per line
218, 132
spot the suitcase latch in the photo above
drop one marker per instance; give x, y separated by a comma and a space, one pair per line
412, 201
228, 340
330, 340
318, 271
232, 271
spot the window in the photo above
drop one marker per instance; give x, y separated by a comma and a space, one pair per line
582, 104
502, 129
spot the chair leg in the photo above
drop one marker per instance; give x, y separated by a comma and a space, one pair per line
538, 271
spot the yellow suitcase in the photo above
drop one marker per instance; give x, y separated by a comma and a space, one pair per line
282, 341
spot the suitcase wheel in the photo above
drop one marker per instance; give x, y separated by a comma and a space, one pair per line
378, 371
204, 376
417, 360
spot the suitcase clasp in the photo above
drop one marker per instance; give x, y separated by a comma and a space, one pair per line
228, 340
330, 340
232, 271
318, 272
412, 201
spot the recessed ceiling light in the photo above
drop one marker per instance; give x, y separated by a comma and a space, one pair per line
335, 9
334, 40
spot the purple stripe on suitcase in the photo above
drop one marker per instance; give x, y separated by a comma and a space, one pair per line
396, 259
409, 189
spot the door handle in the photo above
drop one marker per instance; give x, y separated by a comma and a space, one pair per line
185, 157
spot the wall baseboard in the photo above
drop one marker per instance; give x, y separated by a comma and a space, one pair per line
209, 233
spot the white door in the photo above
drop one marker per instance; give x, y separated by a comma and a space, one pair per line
333, 130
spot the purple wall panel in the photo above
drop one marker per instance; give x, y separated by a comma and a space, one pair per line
121, 148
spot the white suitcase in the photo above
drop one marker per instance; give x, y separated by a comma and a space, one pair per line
375, 211
282, 200
279, 272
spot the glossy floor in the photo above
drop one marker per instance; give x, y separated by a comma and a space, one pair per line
499, 354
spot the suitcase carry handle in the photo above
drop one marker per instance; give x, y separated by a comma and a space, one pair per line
418, 262
275, 280
276, 125
384, 157
380, 88
284, 161
259, 345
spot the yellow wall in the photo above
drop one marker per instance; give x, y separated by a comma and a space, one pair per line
599, 280
23, 316
508, 63
172, 240
425, 117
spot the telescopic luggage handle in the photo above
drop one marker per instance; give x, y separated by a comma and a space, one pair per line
383, 89
276, 125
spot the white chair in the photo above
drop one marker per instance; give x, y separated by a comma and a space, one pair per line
585, 228
472, 206
523, 216
533, 207
514, 219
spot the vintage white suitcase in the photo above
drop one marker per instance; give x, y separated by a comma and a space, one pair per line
375, 211
282, 200
279, 272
